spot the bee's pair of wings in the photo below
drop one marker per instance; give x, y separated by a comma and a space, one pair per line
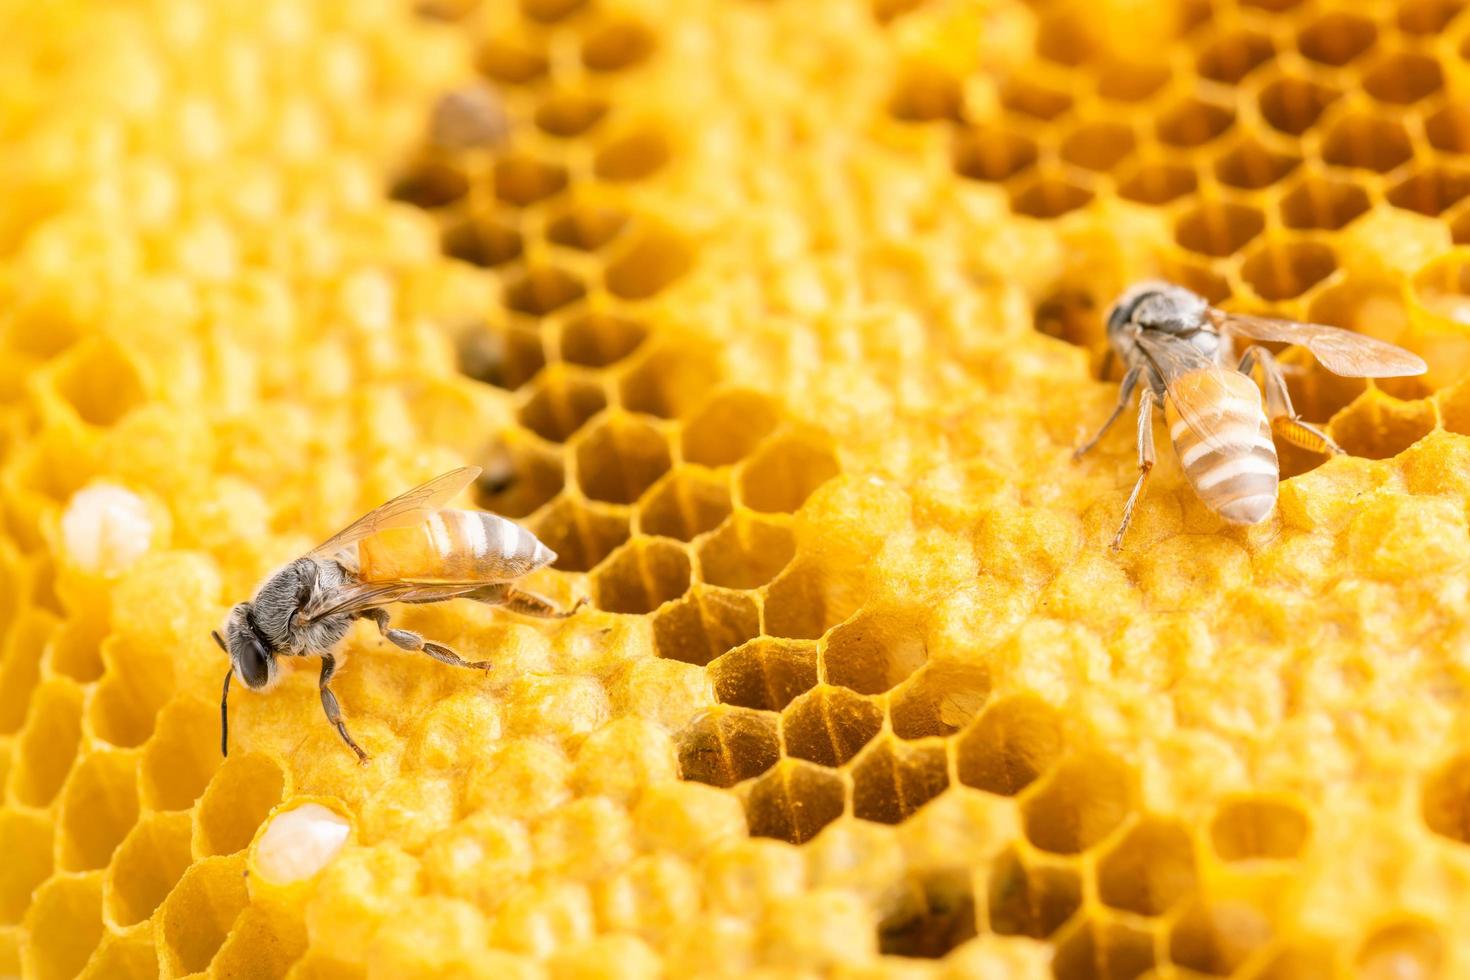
408, 509
1342, 352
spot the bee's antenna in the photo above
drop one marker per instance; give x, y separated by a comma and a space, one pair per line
224, 714
215, 634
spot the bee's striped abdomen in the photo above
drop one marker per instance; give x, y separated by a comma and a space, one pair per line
452, 546
1236, 473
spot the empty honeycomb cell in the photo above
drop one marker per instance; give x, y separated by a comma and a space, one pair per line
1336, 38
550, 11
728, 427
794, 801
260, 944
924, 93
1231, 57
648, 261
1082, 801
25, 839
892, 779
635, 155
64, 925
1217, 938
74, 650
785, 471
1194, 122
1377, 426
1412, 947
1445, 800
876, 650
1218, 229
99, 805
124, 708
1157, 183
684, 504
481, 241
47, 744
522, 180
1103, 949
100, 381
570, 114
1321, 202
1099, 146
935, 914
1030, 899
117, 957
1430, 192
198, 914
745, 552
641, 576
1251, 166
239, 797
509, 62
600, 339
704, 624
1050, 196
1293, 105
543, 290
582, 535
1130, 81
587, 227
430, 184
621, 457
1305, 958
506, 357
1427, 16
518, 477
618, 45
1014, 741
668, 381
1253, 828
1071, 315
1066, 37
1029, 98
1403, 77
560, 403
1150, 869
938, 701
988, 153
1283, 270
803, 603
1448, 129
146, 866
765, 673
828, 725
725, 746
1367, 142
20, 670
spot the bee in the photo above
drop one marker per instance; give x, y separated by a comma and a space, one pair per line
409, 549
1182, 352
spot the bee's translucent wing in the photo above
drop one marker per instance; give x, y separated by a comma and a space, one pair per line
1195, 384
1343, 352
357, 597
405, 510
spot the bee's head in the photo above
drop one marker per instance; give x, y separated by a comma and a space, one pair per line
1157, 305
251, 656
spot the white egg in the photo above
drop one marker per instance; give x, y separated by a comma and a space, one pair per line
106, 528
299, 842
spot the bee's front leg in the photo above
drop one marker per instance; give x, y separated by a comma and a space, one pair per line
333, 709
1145, 461
1125, 392
409, 640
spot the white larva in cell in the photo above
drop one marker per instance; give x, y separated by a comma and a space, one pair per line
299, 842
106, 528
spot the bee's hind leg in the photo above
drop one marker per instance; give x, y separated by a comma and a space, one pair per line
1284, 420
525, 603
1125, 392
1145, 462
409, 640
333, 709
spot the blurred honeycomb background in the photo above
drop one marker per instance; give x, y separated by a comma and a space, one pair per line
778, 321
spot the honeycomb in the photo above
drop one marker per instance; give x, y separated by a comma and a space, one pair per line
778, 322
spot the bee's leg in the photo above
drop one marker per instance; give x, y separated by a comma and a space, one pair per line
409, 640
1125, 392
1284, 420
333, 709
1145, 461
530, 604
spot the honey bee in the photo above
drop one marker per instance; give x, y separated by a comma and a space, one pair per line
409, 549
1182, 351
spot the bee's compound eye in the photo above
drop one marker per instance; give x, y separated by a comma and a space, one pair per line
252, 662
299, 842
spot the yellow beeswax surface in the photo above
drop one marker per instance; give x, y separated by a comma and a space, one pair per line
777, 320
